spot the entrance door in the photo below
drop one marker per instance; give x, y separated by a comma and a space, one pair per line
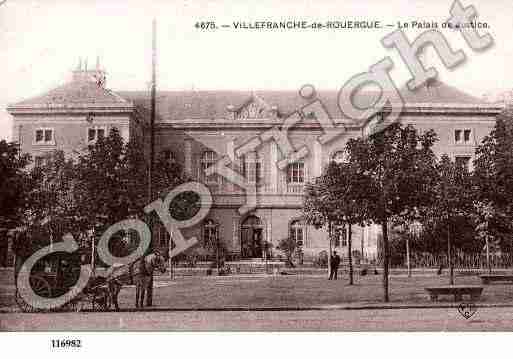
251, 238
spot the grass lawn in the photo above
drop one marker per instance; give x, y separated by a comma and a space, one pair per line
287, 291
298, 291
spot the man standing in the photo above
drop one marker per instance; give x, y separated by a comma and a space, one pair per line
335, 262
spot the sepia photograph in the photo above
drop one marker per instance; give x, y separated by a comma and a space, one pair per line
229, 166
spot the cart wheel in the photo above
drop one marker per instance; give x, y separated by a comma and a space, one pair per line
41, 287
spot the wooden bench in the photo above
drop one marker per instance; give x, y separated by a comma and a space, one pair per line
488, 278
458, 291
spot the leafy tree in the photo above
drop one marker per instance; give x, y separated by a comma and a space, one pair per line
51, 196
49, 211
453, 199
394, 169
112, 184
433, 237
341, 182
14, 183
493, 180
102, 186
318, 209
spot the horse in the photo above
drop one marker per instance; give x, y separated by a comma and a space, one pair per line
139, 273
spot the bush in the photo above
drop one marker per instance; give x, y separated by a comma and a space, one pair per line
321, 260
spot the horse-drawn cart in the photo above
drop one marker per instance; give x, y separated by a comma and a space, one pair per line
55, 275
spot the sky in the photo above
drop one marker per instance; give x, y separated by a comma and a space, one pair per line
43, 40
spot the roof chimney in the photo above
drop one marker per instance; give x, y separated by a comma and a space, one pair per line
96, 75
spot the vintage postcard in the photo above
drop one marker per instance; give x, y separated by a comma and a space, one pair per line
282, 166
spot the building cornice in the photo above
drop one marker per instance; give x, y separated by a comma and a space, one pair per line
308, 124
69, 109
251, 124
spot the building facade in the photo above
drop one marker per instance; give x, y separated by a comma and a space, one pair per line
197, 128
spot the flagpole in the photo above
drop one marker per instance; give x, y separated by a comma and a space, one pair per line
149, 298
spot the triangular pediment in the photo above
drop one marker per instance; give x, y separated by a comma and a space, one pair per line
254, 108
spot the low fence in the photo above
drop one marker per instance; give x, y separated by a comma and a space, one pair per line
460, 260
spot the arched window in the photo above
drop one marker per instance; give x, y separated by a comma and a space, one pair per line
208, 158
297, 232
210, 233
252, 169
339, 157
296, 172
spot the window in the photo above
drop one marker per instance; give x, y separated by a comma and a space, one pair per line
208, 159
48, 135
466, 136
210, 233
296, 172
297, 233
163, 236
463, 161
340, 236
457, 136
252, 169
39, 135
94, 133
462, 136
339, 157
44, 136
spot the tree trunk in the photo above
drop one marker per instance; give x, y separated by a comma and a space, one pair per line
449, 255
362, 257
329, 248
384, 228
93, 254
487, 237
149, 289
217, 254
349, 253
408, 255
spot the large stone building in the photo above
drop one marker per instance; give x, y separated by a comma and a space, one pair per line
197, 128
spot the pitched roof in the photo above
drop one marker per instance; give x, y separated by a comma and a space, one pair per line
437, 92
180, 105
74, 93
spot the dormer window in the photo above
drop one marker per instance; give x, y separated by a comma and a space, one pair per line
95, 133
44, 136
